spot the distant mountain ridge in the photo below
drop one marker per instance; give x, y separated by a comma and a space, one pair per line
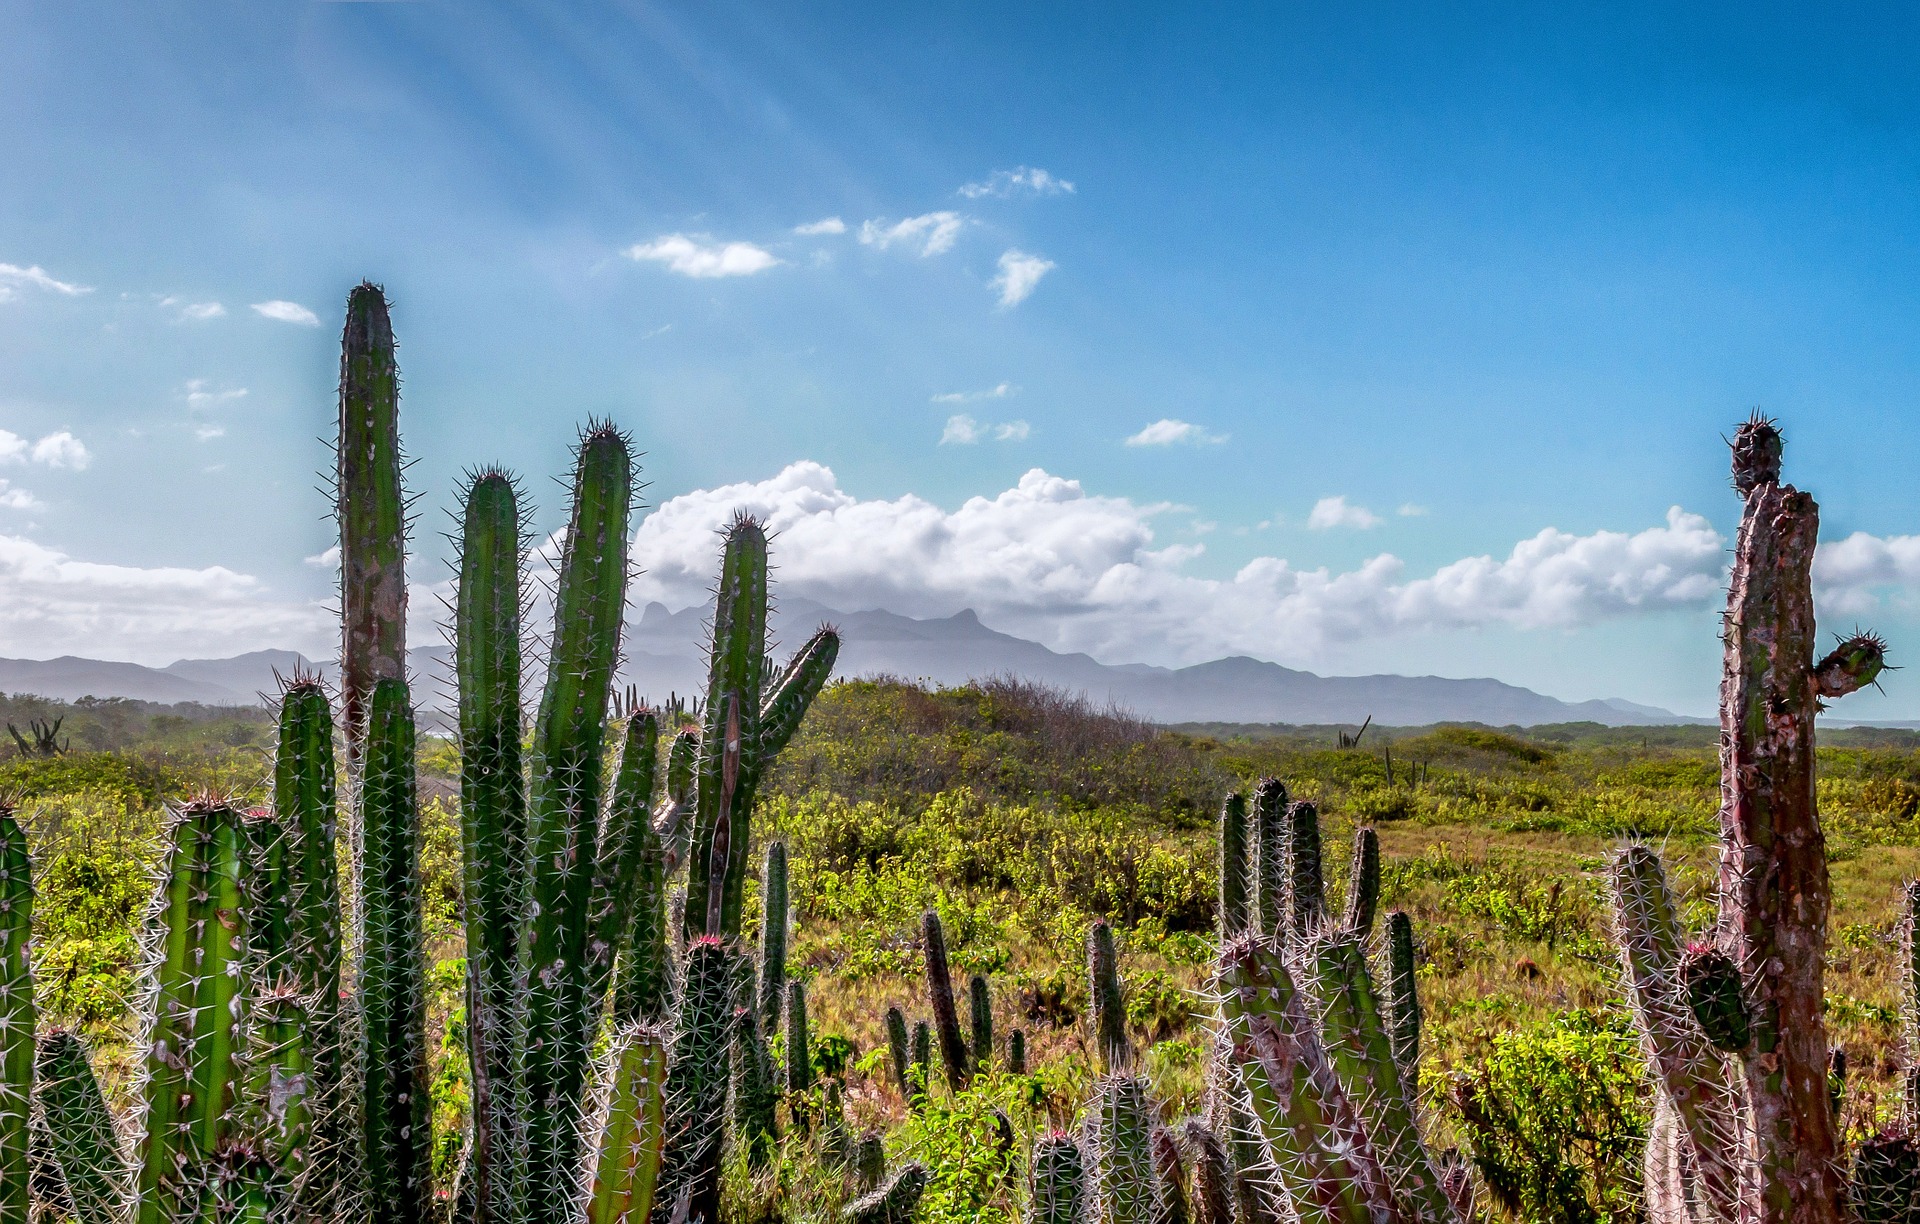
666, 653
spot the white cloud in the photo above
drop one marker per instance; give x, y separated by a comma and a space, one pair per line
1168, 432
999, 391
17, 499
207, 433
62, 450
1862, 572
1023, 178
934, 233
1019, 274
826, 225
13, 276
195, 312
286, 312
961, 430
325, 560
701, 258
1049, 561
1409, 510
1339, 512
1011, 431
201, 396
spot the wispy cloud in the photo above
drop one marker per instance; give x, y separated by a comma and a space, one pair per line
1331, 512
1168, 432
1409, 510
1019, 274
201, 395
13, 277
934, 233
200, 312
207, 433
702, 258
826, 225
963, 430
1012, 431
281, 311
999, 391
1020, 179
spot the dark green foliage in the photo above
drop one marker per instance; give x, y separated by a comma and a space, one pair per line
980, 1000
1713, 992
371, 508
697, 1070
1234, 862
899, 1053
946, 1014
774, 920
1885, 1186
892, 1203
16, 1017
396, 1148
1107, 1003
79, 1129
1402, 993
1271, 866
1363, 883
1058, 1193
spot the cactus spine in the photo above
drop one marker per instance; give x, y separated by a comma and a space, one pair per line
79, 1129
16, 1017
632, 1131
1118, 1132
946, 1014
371, 507
1017, 1052
1059, 1181
396, 1144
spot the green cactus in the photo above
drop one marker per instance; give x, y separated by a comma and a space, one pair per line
1119, 1126
1107, 1002
1017, 1052
1713, 992
1212, 1173
1885, 1183
625, 866
892, 1203
1058, 1193
1306, 882
194, 1026
371, 507
396, 1135
280, 1105
756, 1094
270, 920
1363, 883
1269, 865
900, 1054
980, 1013
1170, 1179
697, 1073
1910, 1002
1403, 995
946, 1014
869, 1162
920, 1071
799, 1055
632, 1129
1236, 888
79, 1130
16, 1017
774, 920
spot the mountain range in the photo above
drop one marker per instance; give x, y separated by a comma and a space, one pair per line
666, 653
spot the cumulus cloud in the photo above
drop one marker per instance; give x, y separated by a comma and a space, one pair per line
702, 258
826, 225
14, 277
1331, 512
286, 312
1020, 273
56, 450
1078, 571
50, 601
1168, 432
17, 499
934, 233
1864, 572
998, 391
1021, 179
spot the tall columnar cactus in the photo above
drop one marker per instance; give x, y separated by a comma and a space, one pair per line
632, 1130
280, 1106
194, 1029
626, 865
1212, 1173
1403, 995
1236, 888
748, 723
1170, 1179
16, 1017
1363, 883
269, 876
1119, 1126
1306, 880
1108, 1003
900, 1054
1269, 863
799, 1054
980, 1009
1756, 1124
1058, 1192
1017, 1052
946, 1013
1910, 1002
371, 507
774, 920
79, 1129
395, 1116
697, 1079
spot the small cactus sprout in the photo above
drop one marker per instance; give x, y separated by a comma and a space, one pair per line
1059, 1182
16, 1017
1713, 991
946, 1014
632, 1130
1363, 883
79, 1129
980, 1007
892, 1203
1757, 451
1108, 1002
920, 1073
900, 1053
1854, 664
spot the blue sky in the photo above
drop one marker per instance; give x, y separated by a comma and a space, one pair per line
1504, 269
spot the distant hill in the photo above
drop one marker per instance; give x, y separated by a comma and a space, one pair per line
666, 653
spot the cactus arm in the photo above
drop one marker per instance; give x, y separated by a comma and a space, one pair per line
1270, 863
268, 890
371, 507
16, 1017
737, 661
280, 1085
632, 1131
493, 832
1107, 1001
79, 1129
697, 1078
1118, 1136
1774, 888
775, 918
563, 809
946, 1015
1361, 1054
892, 1203
899, 1053
1306, 879
396, 1138
626, 838
1687, 1072
1235, 887
1317, 1149
980, 1013
805, 675
1403, 994
1363, 883
1059, 1182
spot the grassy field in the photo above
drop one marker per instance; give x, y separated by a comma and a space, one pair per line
1021, 816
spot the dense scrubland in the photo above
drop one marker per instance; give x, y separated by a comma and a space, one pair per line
1021, 815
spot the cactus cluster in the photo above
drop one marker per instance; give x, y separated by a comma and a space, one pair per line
1745, 1114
